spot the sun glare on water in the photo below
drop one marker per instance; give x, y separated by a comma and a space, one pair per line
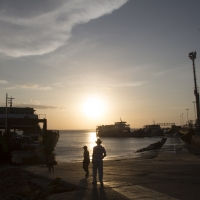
93, 107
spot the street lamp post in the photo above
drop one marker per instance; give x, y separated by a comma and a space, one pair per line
194, 110
187, 116
182, 119
192, 56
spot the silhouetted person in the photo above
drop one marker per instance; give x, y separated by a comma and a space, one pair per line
86, 160
50, 161
99, 153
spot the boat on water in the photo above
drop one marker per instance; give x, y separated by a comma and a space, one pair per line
154, 146
153, 130
118, 129
20, 130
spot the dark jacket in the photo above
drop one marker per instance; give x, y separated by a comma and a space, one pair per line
86, 156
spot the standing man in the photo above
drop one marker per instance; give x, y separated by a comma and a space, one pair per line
99, 153
50, 160
86, 160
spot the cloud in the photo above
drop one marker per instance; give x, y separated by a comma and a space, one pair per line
38, 27
3, 82
129, 84
36, 106
102, 81
29, 86
169, 70
58, 84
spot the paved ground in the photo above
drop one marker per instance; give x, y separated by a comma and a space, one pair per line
167, 176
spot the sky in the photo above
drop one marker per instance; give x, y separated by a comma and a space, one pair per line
84, 63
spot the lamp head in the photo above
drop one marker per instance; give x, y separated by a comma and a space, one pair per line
192, 55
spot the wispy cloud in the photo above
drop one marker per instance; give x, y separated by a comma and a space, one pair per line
129, 84
102, 81
169, 70
39, 27
58, 84
29, 86
3, 82
36, 106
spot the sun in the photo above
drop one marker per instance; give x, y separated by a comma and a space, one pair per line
93, 107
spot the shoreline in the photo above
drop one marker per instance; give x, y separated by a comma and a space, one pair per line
188, 149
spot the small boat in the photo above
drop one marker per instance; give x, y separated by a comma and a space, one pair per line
154, 146
186, 135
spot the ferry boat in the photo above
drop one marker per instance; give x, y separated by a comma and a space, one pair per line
153, 130
118, 129
16, 120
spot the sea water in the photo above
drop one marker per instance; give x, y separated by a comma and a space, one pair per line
70, 145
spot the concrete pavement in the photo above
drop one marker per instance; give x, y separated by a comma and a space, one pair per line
162, 177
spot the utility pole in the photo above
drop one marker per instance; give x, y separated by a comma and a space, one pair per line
6, 120
10, 101
7, 131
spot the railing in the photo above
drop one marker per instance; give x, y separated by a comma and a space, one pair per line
42, 116
3, 116
165, 124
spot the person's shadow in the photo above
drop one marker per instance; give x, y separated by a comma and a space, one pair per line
98, 193
83, 184
102, 194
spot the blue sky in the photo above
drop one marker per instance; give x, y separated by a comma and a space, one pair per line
130, 57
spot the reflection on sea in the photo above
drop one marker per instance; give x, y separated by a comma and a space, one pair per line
69, 147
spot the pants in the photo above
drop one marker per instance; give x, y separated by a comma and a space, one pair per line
50, 167
85, 166
97, 166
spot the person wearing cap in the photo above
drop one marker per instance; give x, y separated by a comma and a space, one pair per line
86, 160
99, 153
